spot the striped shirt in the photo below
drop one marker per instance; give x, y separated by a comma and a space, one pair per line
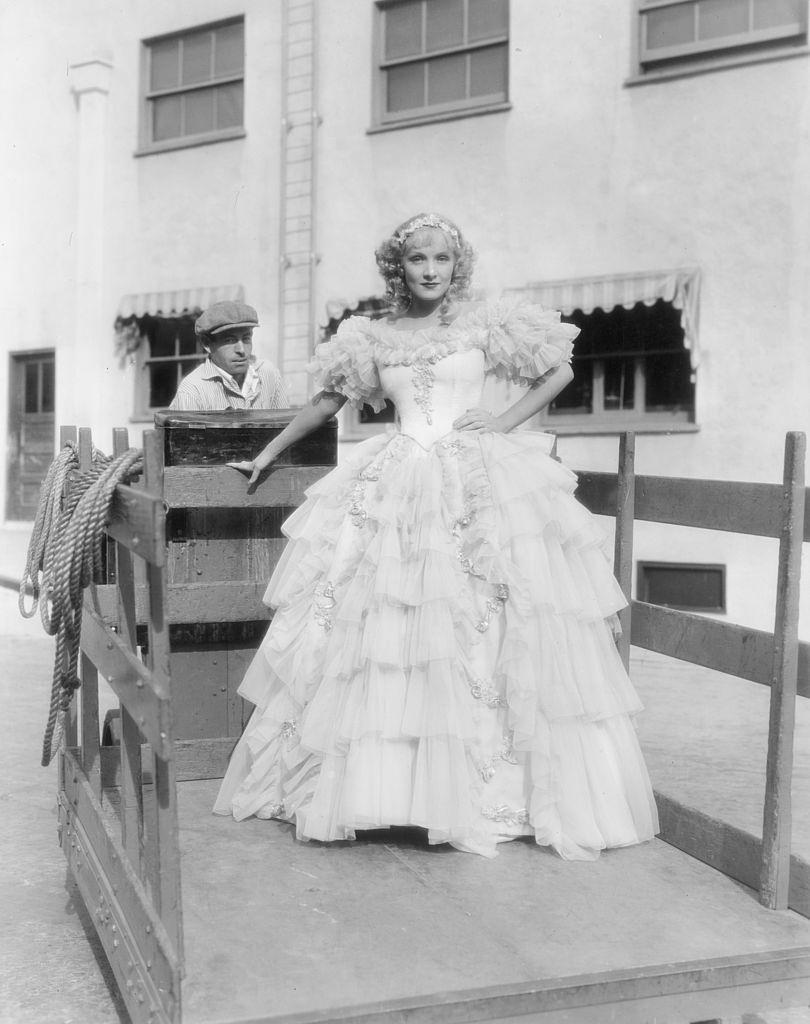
212, 389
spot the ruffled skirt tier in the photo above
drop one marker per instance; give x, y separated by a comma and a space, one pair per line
441, 655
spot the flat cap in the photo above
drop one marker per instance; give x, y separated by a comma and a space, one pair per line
222, 316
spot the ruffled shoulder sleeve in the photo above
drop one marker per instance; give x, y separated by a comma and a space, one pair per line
346, 364
522, 342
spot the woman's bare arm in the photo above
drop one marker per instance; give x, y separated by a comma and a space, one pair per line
314, 414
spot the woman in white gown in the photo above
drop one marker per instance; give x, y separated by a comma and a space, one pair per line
441, 653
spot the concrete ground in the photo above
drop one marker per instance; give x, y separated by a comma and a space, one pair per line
52, 969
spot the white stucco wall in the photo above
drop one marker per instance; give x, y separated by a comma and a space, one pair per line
583, 176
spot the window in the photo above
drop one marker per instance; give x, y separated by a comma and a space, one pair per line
631, 371
697, 588
193, 87
167, 351
677, 32
440, 58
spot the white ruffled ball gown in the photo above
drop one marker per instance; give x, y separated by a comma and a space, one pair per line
441, 653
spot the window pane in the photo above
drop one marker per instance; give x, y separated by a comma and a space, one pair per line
166, 118
32, 387
487, 18
718, 18
577, 397
185, 366
199, 111
229, 105
403, 30
186, 337
164, 64
163, 381
619, 383
488, 72
683, 586
229, 50
406, 87
668, 382
47, 385
163, 336
447, 79
196, 58
444, 24
670, 26
772, 13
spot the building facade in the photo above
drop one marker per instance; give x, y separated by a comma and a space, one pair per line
642, 167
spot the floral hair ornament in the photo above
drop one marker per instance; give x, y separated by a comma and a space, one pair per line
427, 220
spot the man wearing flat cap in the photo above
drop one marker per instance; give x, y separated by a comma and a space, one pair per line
230, 378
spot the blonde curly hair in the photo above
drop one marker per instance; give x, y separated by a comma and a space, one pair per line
391, 252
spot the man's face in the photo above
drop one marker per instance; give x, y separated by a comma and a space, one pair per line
231, 350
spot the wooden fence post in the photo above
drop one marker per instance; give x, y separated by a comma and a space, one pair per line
623, 549
166, 848
776, 824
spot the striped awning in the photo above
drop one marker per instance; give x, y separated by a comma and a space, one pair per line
681, 287
182, 300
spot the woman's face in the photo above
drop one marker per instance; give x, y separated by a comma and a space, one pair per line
428, 263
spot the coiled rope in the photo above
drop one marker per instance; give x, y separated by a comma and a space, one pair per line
64, 556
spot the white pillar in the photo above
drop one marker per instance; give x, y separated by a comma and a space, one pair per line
80, 386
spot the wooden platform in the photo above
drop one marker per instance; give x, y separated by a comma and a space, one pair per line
389, 929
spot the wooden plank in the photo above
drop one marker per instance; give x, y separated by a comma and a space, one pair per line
732, 850
223, 487
223, 601
67, 435
623, 544
660, 499
681, 991
131, 792
164, 851
192, 439
194, 760
724, 646
91, 762
731, 506
133, 683
135, 941
666, 993
85, 449
167, 849
224, 543
776, 824
200, 691
120, 445
138, 521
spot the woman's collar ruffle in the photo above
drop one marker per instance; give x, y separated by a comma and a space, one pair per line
395, 347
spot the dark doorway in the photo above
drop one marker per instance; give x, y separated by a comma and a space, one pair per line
31, 430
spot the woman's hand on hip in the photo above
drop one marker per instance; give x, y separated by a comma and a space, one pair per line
478, 419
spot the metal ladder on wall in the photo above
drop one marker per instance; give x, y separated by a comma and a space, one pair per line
297, 255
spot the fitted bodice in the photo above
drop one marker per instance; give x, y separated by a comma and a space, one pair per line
429, 397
